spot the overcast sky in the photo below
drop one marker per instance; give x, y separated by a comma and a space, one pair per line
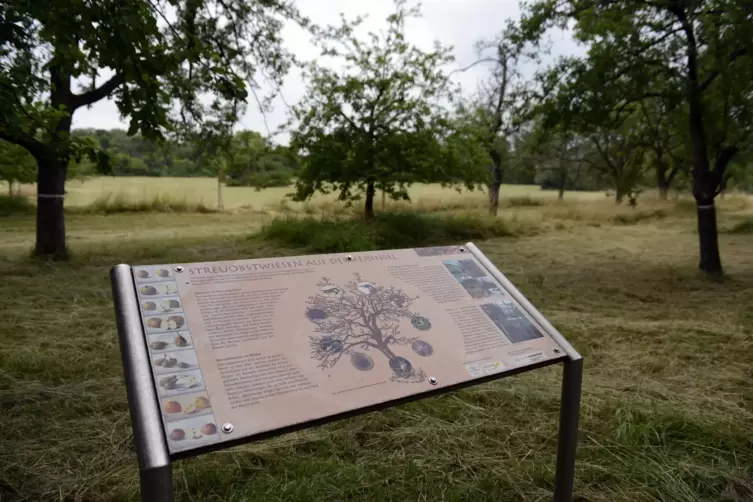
459, 23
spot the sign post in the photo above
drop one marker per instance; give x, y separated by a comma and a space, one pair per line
225, 353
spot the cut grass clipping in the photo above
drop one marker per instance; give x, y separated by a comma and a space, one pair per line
384, 231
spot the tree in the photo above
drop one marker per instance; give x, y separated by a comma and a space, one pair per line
698, 55
559, 157
496, 108
16, 166
621, 159
154, 58
378, 122
662, 134
354, 319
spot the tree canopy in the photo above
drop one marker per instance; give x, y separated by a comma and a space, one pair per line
164, 63
378, 122
695, 57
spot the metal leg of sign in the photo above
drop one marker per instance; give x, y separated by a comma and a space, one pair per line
157, 484
149, 436
572, 377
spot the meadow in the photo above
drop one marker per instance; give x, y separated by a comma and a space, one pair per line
667, 409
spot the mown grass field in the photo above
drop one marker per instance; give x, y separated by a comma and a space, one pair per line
667, 411
204, 191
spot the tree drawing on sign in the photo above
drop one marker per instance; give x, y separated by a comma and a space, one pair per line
361, 317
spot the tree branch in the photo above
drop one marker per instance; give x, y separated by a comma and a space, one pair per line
715, 73
98, 93
34, 147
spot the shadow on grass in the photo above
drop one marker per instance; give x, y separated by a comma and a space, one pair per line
384, 231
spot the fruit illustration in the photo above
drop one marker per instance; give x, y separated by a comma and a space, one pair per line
202, 403
169, 383
143, 274
190, 409
183, 365
209, 429
150, 306
175, 322
172, 407
166, 362
180, 341
196, 434
154, 322
162, 272
168, 305
148, 290
177, 434
158, 345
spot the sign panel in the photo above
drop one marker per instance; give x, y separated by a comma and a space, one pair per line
269, 343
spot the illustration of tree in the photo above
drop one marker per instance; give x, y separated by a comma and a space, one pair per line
361, 317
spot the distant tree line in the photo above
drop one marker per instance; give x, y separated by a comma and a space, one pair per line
247, 160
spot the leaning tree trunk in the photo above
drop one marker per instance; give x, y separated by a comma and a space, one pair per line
50, 215
369, 207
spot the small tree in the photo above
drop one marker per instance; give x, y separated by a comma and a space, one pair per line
16, 166
378, 122
621, 158
362, 317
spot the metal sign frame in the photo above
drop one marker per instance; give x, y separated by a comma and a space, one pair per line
155, 461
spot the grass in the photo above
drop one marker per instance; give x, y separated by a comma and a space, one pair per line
12, 205
161, 203
204, 191
384, 231
743, 227
667, 411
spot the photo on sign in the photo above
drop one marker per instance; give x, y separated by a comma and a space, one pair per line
335, 311
162, 305
169, 341
146, 274
163, 323
186, 406
474, 279
512, 321
437, 251
170, 362
192, 432
180, 383
157, 290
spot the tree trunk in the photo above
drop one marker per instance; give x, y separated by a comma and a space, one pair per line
710, 262
384, 199
562, 181
220, 205
50, 215
662, 181
384, 349
704, 182
495, 183
618, 195
10, 188
664, 191
369, 208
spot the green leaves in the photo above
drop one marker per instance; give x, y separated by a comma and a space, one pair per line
378, 121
